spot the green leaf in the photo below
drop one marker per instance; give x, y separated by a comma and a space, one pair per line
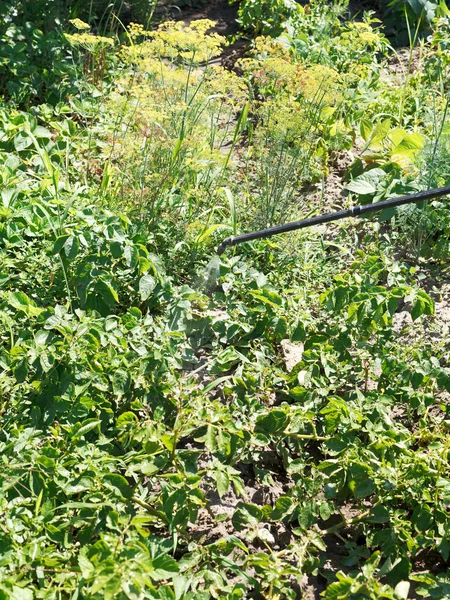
147, 284
423, 305
87, 568
361, 187
131, 255
59, 244
367, 183
223, 482
365, 129
283, 507
71, 247
380, 132
325, 511
112, 587
387, 214
272, 422
21, 593
21, 370
42, 132
246, 516
299, 333
203, 237
121, 382
339, 590
106, 288
85, 427
378, 514
364, 488
422, 518
402, 589
410, 144
164, 567
21, 302
22, 141
180, 586
126, 418
46, 361
119, 484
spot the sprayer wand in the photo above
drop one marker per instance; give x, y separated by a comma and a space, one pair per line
355, 211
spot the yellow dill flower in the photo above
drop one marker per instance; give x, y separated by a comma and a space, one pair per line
219, 80
174, 41
135, 30
79, 24
88, 41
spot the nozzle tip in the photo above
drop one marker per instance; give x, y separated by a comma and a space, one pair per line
223, 246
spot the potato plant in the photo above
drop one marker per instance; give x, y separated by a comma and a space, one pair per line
273, 423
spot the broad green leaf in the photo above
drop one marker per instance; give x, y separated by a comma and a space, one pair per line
299, 333
59, 243
327, 112
223, 482
364, 488
365, 129
22, 141
42, 132
380, 132
121, 382
131, 255
126, 418
396, 136
410, 144
423, 305
325, 511
86, 427
21, 593
367, 183
112, 587
21, 370
246, 515
180, 586
339, 590
283, 506
87, 568
119, 484
378, 514
71, 247
20, 301
387, 214
47, 361
107, 289
361, 187
147, 284
402, 589
164, 566
274, 421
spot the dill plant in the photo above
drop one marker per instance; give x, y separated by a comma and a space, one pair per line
94, 48
298, 116
177, 112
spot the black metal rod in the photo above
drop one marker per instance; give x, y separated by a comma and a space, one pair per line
355, 211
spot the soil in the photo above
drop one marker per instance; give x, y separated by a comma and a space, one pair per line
219, 11
222, 13
292, 353
402, 64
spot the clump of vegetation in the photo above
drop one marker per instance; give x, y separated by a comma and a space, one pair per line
177, 426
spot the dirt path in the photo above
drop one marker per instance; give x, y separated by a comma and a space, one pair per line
219, 11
